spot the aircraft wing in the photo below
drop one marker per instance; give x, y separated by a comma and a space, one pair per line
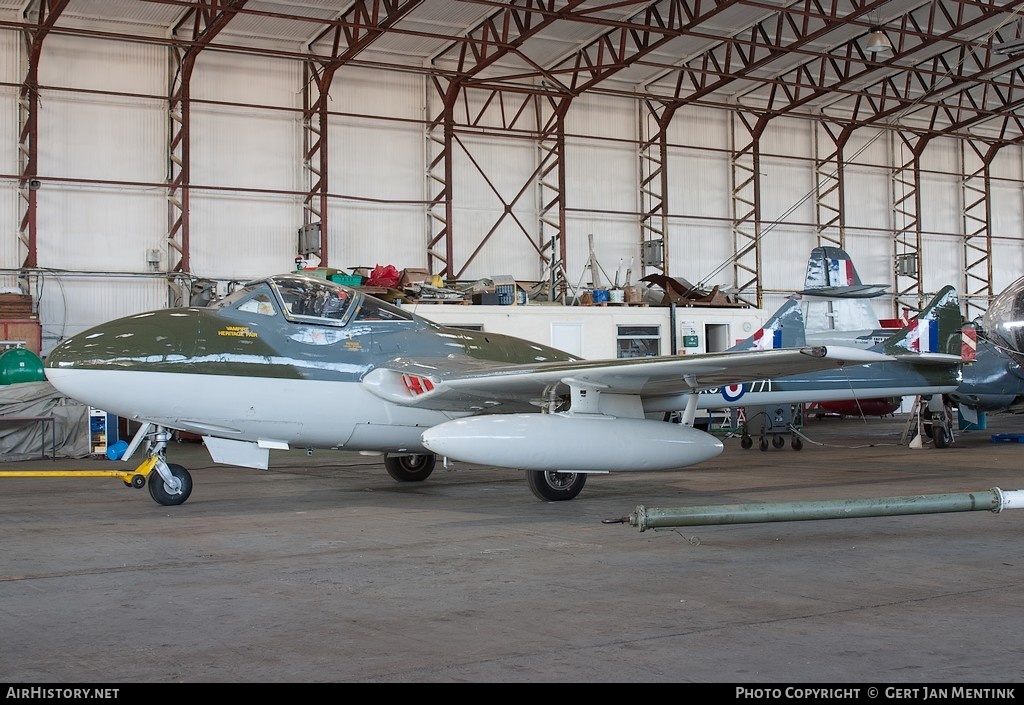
448, 384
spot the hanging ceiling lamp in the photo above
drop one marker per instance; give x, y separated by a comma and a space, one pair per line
878, 42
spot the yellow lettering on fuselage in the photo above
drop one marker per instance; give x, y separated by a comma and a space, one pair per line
238, 332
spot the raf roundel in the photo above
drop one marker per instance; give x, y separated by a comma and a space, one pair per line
733, 392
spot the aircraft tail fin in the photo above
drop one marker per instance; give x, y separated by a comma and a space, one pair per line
835, 297
783, 329
830, 267
936, 332
830, 273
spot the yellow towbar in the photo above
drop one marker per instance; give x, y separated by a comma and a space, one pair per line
132, 478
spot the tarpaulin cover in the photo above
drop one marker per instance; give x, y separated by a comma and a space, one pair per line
24, 440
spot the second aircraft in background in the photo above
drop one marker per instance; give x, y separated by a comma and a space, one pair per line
838, 311
924, 359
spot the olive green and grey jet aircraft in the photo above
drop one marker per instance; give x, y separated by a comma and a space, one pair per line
294, 361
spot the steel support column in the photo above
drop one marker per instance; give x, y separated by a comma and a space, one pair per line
178, 177
653, 154
439, 138
205, 21
315, 155
906, 209
977, 193
551, 238
745, 162
829, 187
46, 14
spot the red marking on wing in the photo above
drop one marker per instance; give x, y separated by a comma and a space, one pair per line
417, 385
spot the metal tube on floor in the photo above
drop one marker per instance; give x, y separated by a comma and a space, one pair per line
994, 500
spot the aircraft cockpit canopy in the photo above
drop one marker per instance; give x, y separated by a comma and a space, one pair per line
309, 299
1003, 322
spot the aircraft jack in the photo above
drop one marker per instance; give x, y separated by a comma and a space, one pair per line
775, 422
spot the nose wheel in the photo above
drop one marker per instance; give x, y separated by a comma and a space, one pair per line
171, 488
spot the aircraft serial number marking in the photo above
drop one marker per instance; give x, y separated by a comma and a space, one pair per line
735, 391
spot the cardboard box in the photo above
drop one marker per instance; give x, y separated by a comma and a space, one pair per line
485, 299
505, 287
29, 332
413, 276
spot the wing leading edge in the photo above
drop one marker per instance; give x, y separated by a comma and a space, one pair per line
442, 385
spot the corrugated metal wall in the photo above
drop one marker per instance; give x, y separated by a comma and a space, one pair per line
1007, 215
600, 192
246, 165
103, 138
377, 165
699, 197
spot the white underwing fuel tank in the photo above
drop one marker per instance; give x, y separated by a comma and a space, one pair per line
570, 442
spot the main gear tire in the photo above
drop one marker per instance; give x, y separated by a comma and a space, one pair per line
410, 468
555, 486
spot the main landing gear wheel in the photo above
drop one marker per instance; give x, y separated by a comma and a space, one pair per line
170, 495
555, 486
941, 436
410, 468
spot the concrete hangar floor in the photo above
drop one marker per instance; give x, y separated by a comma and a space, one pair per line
323, 569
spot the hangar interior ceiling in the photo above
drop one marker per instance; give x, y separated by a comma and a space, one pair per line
945, 69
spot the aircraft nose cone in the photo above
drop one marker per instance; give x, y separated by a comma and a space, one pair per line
91, 366
140, 341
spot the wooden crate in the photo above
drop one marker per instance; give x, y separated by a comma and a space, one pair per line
15, 307
28, 331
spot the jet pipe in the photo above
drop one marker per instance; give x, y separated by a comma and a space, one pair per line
994, 500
